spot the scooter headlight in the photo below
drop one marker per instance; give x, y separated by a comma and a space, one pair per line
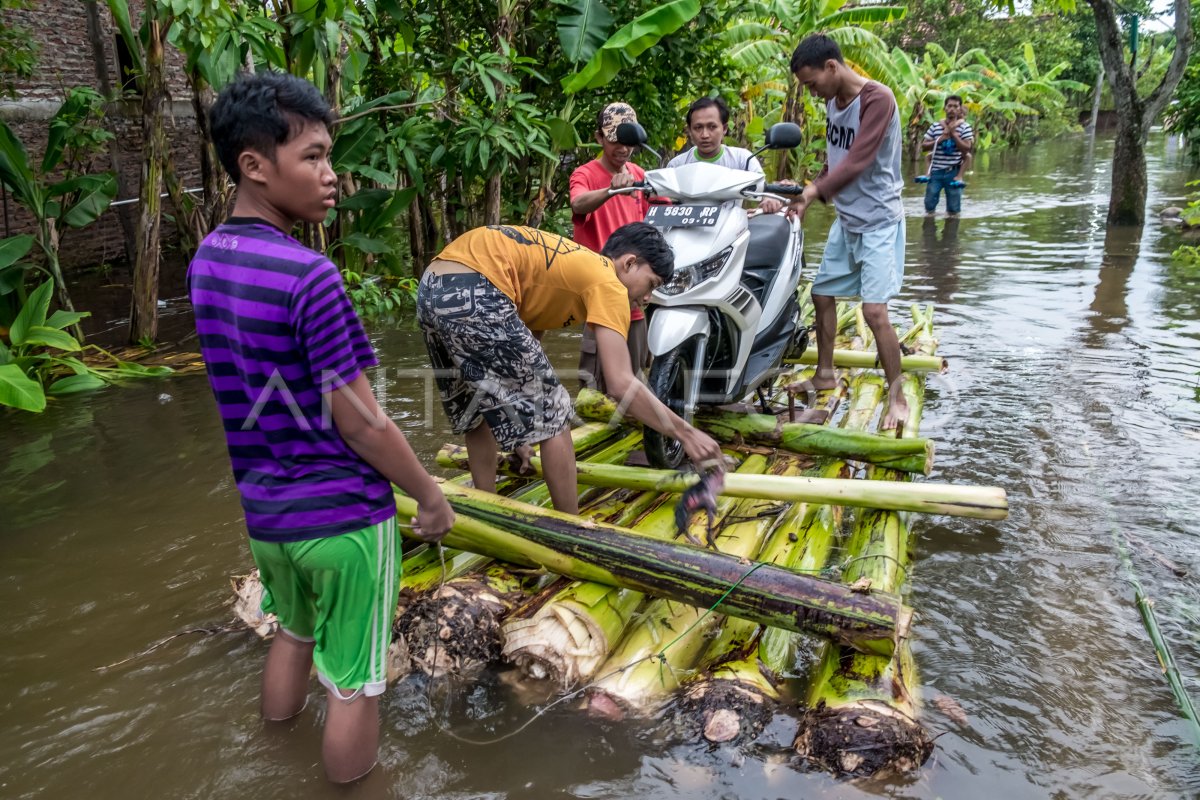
684, 279
713, 265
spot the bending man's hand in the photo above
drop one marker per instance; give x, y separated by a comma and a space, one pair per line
699, 446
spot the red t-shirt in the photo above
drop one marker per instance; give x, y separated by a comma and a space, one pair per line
592, 230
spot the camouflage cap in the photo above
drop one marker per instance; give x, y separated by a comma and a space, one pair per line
612, 116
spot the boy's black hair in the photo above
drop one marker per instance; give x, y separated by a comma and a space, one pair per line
261, 112
950, 97
709, 102
814, 51
647, 243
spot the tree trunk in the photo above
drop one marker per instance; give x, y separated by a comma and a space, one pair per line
1096, 101
492, 194
187, 215
215, 206
49, 236
1127, 201
491, 201
793, 111
1135, 114
416, 235
100, 62
143, 316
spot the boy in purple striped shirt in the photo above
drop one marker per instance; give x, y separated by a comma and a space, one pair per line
313, 455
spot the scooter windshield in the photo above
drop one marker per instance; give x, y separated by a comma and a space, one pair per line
704, 182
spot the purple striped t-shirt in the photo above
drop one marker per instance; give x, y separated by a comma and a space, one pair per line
276, 330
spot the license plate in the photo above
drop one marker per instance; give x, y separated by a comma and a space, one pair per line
680, 216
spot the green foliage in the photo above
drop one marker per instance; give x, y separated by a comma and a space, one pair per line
1183, 115
40, 358
1004, 102
1191, 212
453, 114
74, 136
18, 51
380, 298
76, 200
1187, 255
582, 28
1004, 42
633, 39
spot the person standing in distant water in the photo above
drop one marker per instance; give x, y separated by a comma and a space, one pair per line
951, 142
864, 254
595, 214
707, 126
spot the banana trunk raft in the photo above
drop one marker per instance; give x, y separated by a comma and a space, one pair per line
796, 608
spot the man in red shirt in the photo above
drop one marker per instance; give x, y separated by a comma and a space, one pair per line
596, 214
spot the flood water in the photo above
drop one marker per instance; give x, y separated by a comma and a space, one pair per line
1075, 367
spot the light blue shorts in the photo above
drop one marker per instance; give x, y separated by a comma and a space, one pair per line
868, 265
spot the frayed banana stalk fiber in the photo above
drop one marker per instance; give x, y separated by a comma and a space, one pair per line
453, 627
862, 714
582, 549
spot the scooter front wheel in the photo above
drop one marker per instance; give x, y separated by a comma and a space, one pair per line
668, 381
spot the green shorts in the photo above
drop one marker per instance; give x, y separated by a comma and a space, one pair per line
340, 593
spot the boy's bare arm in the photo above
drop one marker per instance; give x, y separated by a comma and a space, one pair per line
370, 433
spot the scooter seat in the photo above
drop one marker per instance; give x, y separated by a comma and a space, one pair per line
768, 244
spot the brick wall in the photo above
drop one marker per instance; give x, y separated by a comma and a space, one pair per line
59, 28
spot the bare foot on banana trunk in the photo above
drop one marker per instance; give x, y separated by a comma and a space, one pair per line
823, 380
809, 387
897, 411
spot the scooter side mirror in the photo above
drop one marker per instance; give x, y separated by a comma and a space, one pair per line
631, 134
784, 136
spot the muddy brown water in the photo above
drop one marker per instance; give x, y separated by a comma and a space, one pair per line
1075, 359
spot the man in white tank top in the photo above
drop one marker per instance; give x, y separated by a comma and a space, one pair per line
864, 255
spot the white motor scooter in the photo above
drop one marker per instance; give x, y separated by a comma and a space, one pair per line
719, 329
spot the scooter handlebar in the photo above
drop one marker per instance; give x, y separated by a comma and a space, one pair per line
783, 188
637, 186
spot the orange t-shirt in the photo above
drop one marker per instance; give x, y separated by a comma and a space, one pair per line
554, 282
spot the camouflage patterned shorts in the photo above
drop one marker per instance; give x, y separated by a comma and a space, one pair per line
487, 363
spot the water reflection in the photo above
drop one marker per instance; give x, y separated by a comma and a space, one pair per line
940, 257
1109, 307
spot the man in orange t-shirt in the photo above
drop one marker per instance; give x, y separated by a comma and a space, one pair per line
482, 306
596, 214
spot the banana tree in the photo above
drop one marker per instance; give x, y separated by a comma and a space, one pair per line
75, 202
40, 358
597, 58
